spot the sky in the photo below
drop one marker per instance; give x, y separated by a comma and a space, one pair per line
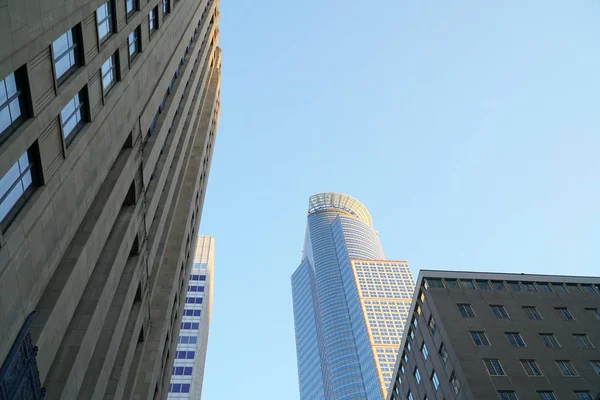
469, 129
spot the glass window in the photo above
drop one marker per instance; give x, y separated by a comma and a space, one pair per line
433, 283
466, 310
454, 383
452, 284
409, 396
531, 368
583, 341
493, 366
483, 285
532, 312
443, 353
545, 287
467, 283
71, 117
411, 335
583, 395
546, 395
559, 287
529, 287
566, 368
596, 366
515, 286
507, 395
424, 351
16, 187
153, 20
185, 388
573, 288
133, 43
166, 6
480, 338
202, 277
129, 7
417, 375
435, 381
499, 312
11, 99
104, 20
550, 340
499, 285
564, 313
431, 325
109, 76
595, 313
515, 339
64, 53
589, 289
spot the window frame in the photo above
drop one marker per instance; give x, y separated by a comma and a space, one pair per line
478, 335
552, 337
466, 307
153, 21
519, 339
81, 107
530, 365
75, 47
167, 7
565, 314
21, 95
109, 18
137, 41
435, 381
502, 313
568, 367
585, 340
532, 313
114, 69
493, 367
510, 395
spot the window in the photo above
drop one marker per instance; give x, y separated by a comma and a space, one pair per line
467, 284
529, 287
166, 6
71, 117
153, 20
596, 366
424, 351
418, 310
566, 368
493, 366
559, 287
130, 7
408, 347
466, 310
545, 287
454, 383
515, 286
411, 335
483, 285
594, 312
16, 187
573, 288
65, 54
133, 42
409, 396
531, 368
515, 339
589, 288
499, 312
532, 312
434, 283
108, 72
546, 395
550, 340
435, 381
452, 284
583, 395
565, 313
499, 285
104, 20
405, 357
443, 353
417, 375
414, 322
11, 104
479, 338
507, 395
431, 325
583, 341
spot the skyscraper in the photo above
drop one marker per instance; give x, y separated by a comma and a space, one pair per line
350, 304
188, 366
476, 335
108, 115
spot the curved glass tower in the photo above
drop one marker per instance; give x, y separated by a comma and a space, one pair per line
350, 304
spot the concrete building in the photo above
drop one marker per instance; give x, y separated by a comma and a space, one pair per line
350, 304
500, 336
108, 115
188, 368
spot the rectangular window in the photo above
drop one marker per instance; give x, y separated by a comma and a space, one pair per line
493, 366
411, 335
417, 375
166, 6
71, 117
443, 353
483, 285
466, 310
153, 20
566, 368
532, 312
431, 325
424, 351
202, 277
515, 339
454, 383
108, 71
16, 187
409, 396
583, 395
499, 312
12, 104
550, 340
507, 395
531, 368
434, 283
596, 366
130, 7
583, 341
480, 338
594, 312
564, 313
467, 284
65, 54
104, 21
589, 289
452, 284
573, 288
435, 381
529, 287
133, 42
499, 285
559, 287
545, 287
546, 395
515, 286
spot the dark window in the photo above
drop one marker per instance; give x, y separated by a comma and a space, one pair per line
493, 366
531, 368
545, 287
104, 21
515, 339
72, 117
166, 6
546, 395
559, 287
529, 287
499, 285
468, 284
583, 395
564, 313
507, 395
589, 288
153, 20
443, 353
466, 310
566, 368
202, 277
452, 284
480, 338
454, 383
483, 285
17, 186
499, 312
596, 366
532, 312
573, 288
431, 325
65, 54
550, 340
109, 75
595, 313
12, 103
434, 283
515, 286
583, 341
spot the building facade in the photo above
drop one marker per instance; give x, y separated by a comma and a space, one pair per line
108, 116
500, 336
190, 354
350, 304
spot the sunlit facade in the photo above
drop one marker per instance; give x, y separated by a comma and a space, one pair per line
350, 304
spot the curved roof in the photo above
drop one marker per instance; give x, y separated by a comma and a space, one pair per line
338, 201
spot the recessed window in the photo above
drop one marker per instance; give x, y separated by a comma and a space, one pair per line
531, 368
130, 7
483, 285
583, 395
104, 21
166, 6
583, 341
532, 312
12, 104
16, 187
409, 396
515, 339
596, 366
566, 368
466, 310
153, 20
545, 287
452, 284
424, 351
564, 313
435, 381
550, 340
133, 43
418, 310
559, 287
411, 335
499, 312
405, 357
433, 283
573, 288
493, 366
467, 284
417, 375
594, 312
108, 71
507, 395
65, 54
431, 325
515, 286
443, 353
546, 395
71, 117
454, 383
589, 289
499, 285
480, 338
529, 287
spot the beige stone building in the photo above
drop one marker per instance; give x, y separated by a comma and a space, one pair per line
108, 116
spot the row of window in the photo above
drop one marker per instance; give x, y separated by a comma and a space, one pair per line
466, 311
494, 367
515, 286
544, 395
516, 340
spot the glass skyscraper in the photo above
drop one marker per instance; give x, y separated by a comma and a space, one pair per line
188, 364
350, 304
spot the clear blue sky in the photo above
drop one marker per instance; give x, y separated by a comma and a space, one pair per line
469, 129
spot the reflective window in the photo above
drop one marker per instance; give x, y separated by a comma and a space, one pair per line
64, 51
531, 368
153, 20
545, 287
443, 353
499, 312
583, 395
594, 312
515, 286
583, 341
564, 313
483, 285
71, 116
435, 381
480, 338
104, 20
129, 6
507, 395
452, 284
499, 285
108, 73
133, 43
454, 383
11, 99
468, 284
546, 395
515, 339
16, 187
417, 375
424, 351
466, 310
566, 367
532, 312
493, 366
550, 340
596, 366
166, 6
